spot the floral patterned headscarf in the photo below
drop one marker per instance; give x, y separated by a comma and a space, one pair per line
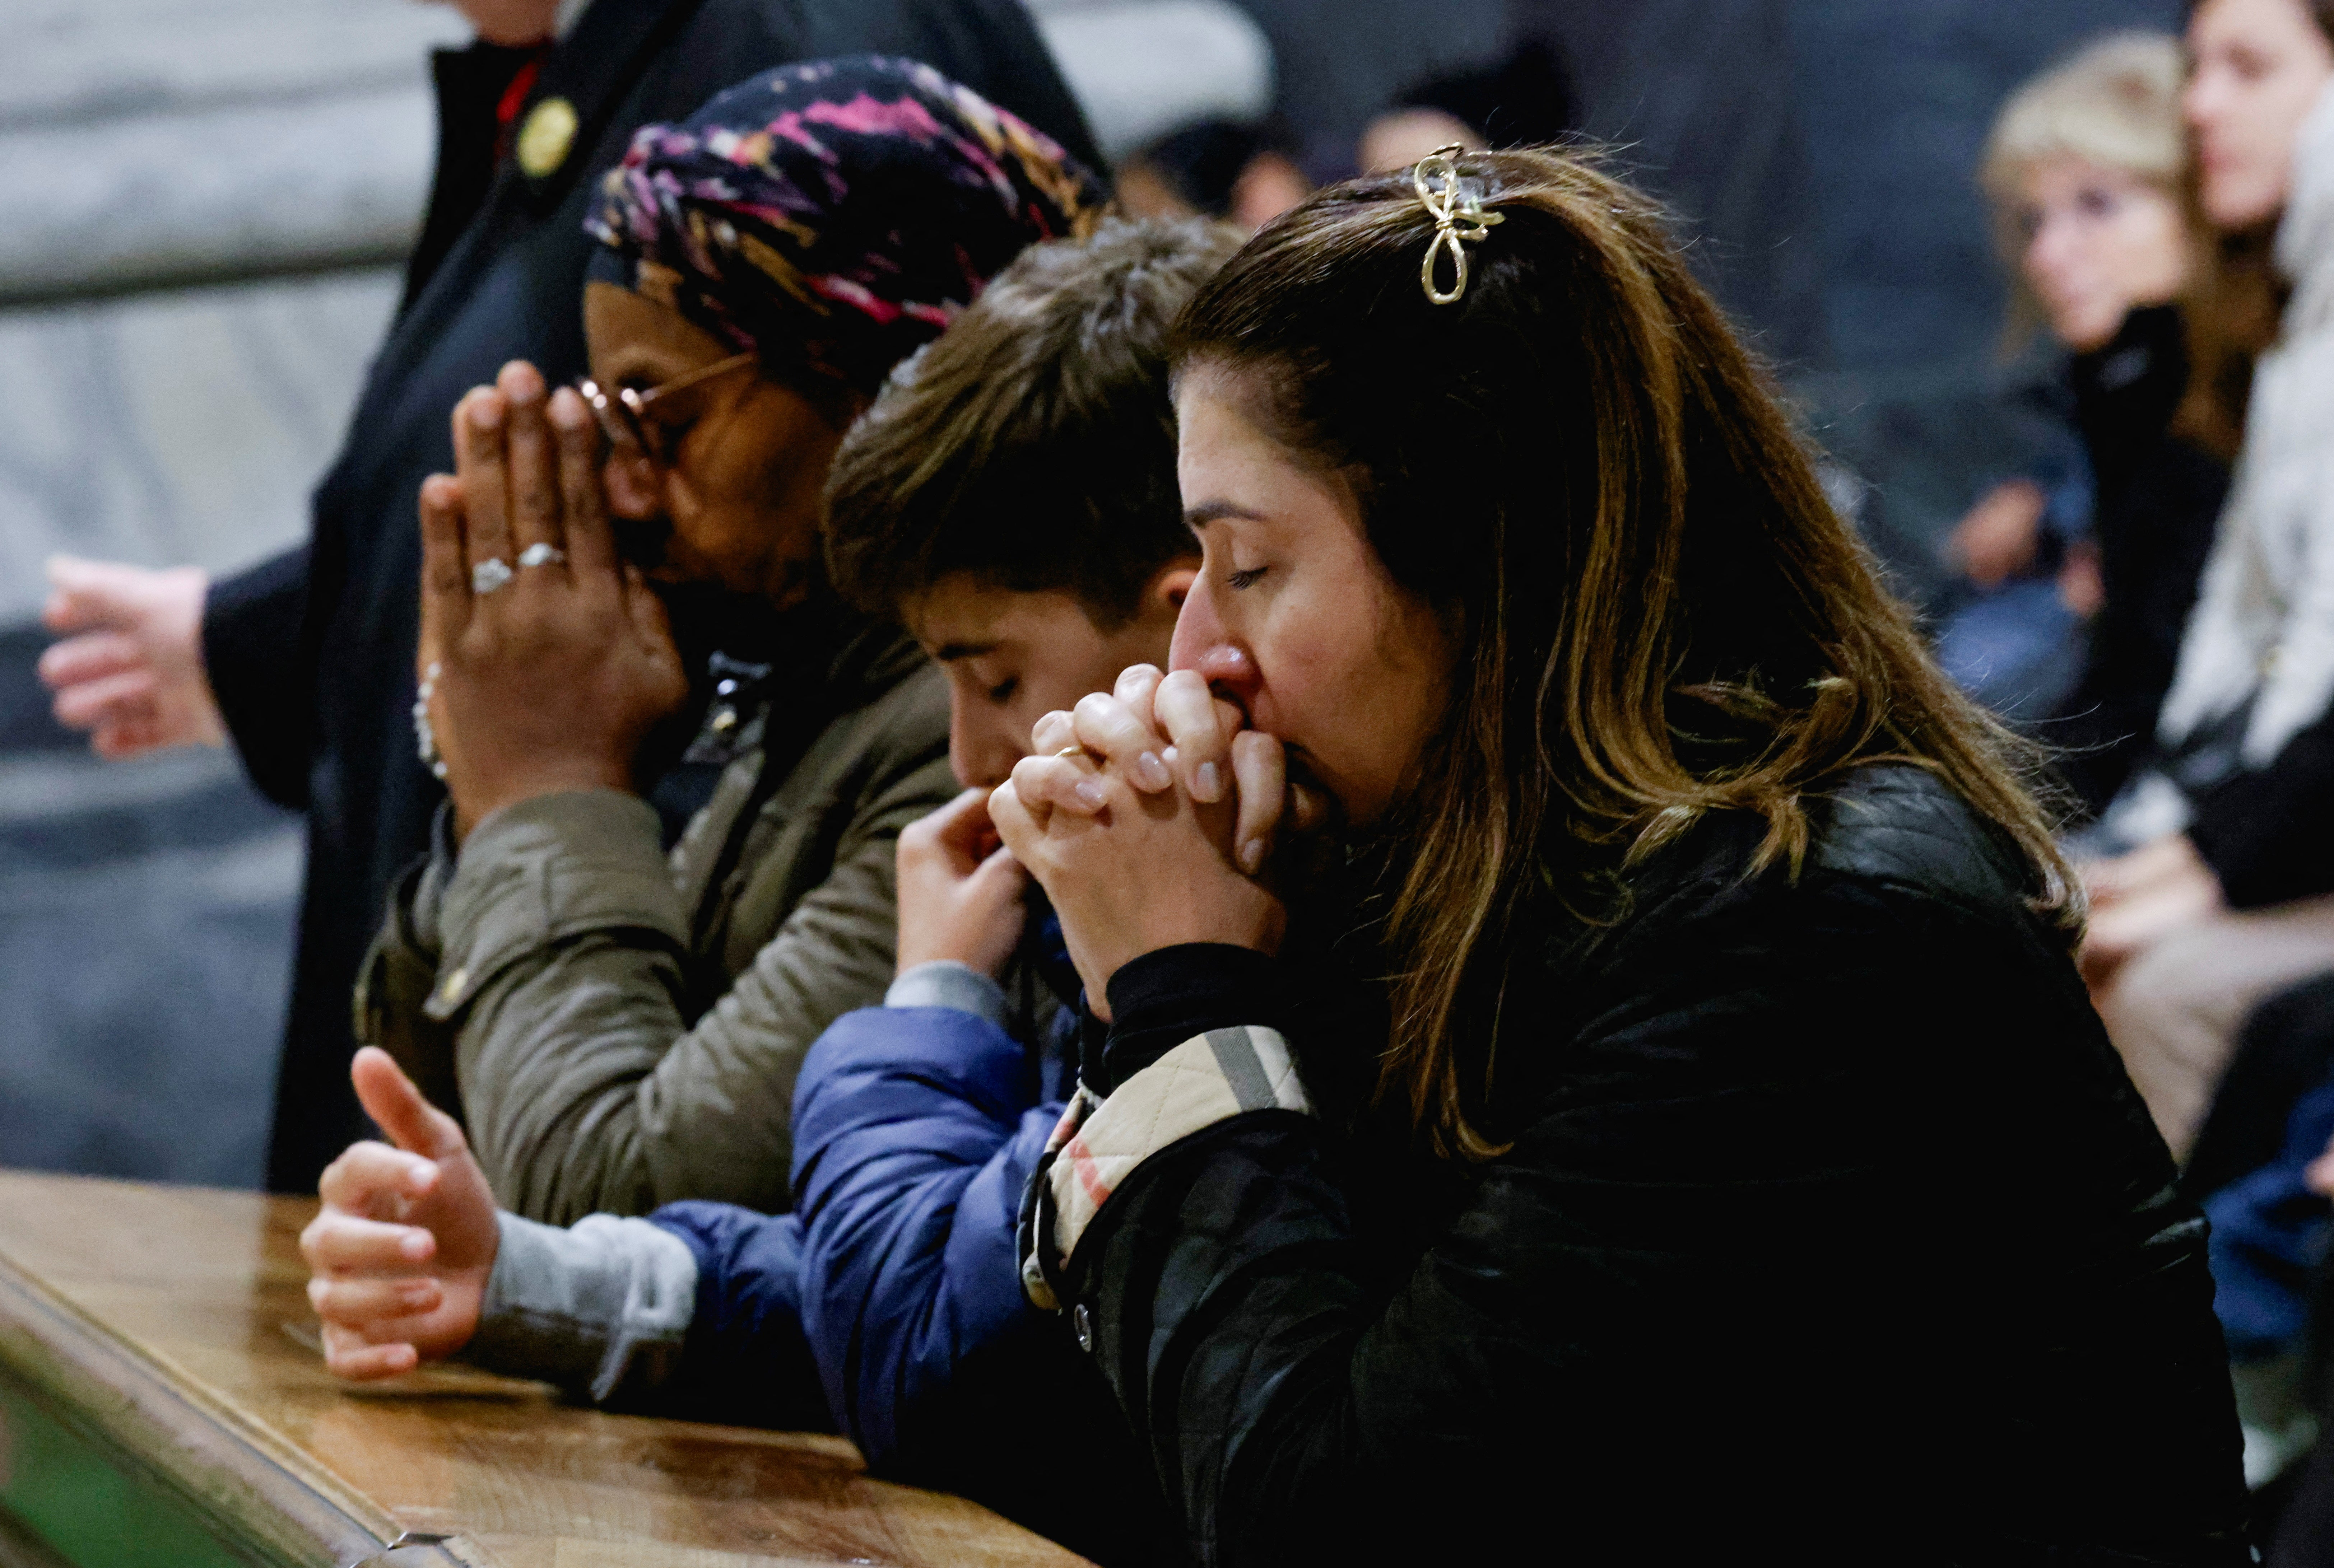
835, 216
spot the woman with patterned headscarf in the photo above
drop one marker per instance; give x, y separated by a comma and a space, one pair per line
620, 1032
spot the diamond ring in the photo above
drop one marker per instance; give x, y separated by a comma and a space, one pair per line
489, 574
541, 554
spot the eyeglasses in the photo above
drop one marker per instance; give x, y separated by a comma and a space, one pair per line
624, 416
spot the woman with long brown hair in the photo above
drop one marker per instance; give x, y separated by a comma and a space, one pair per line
1669, 1120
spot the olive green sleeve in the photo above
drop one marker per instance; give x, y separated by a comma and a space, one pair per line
400, 975
837, 952
561, 971
587, 1088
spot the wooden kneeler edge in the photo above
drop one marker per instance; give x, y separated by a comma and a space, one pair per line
244, 1482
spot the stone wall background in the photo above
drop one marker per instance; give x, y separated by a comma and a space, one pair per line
202, 205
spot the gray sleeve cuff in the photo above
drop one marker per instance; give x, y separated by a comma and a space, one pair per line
946, 983
601, 1306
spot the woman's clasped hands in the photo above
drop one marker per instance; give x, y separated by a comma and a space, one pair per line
1149, 814
545, 660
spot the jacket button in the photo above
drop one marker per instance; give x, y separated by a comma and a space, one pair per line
544, 136
1082, 1322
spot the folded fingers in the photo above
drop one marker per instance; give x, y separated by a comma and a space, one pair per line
373, 1178
1115, 732
1189, 714
445, 562
531, 462
1260, 769
350, 1355
377, 1308
348, 1247
1135, 687
481, 463
1016, 824
960, 828
591, 543
1049, 784
84, 595
1052, 732
127, 732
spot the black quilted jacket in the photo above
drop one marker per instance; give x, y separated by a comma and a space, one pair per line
1831, 1230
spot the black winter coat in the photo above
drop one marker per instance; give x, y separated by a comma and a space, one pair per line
2268, 832
311, 654
1832, 1231
2158, 502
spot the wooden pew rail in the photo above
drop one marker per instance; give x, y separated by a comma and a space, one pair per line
163, 1402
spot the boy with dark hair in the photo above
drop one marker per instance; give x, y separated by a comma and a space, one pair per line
1010, 450
1010, 497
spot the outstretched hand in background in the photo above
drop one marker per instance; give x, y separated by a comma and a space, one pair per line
132, 672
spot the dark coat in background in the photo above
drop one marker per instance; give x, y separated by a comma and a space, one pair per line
2158, 505
2273, 1274
311, 654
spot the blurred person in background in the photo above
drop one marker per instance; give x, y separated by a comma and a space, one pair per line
1144, 69
2272, 1254
2087, 171
1242, 172
622, 1029
2209, 875
2272, 1114
2022, 568
1525, 99
306, 661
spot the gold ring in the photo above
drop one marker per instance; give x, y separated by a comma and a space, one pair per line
1071, 751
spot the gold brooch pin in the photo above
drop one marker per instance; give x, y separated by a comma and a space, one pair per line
546, 137
1459, 217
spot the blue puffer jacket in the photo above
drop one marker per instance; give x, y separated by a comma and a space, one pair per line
895, 1278
917, 1129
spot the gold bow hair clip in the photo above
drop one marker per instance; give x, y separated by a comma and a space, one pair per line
1459, 217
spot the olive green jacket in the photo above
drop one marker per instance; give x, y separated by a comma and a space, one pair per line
620, 1028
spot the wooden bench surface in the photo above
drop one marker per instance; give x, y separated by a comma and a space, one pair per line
162, 1400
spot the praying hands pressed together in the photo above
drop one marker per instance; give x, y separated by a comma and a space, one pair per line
545, 675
